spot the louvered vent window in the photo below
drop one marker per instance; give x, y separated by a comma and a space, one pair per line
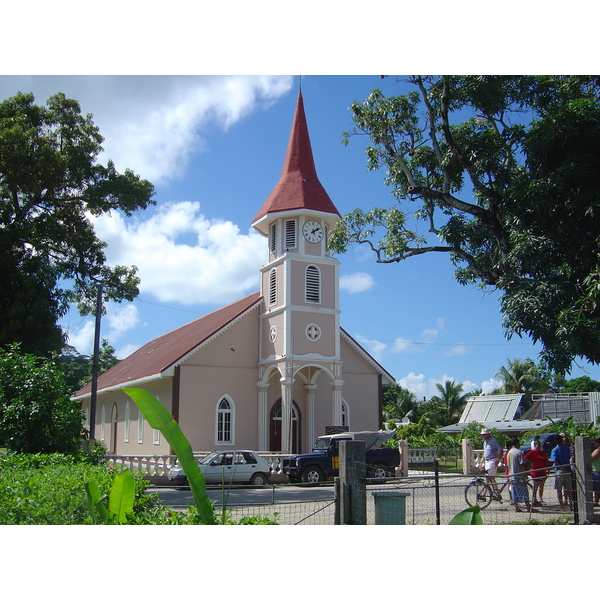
272, 287
290, 234
273, 240
326, 239
313, 284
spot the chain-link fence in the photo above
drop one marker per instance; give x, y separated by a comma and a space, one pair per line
432, 500
320, 512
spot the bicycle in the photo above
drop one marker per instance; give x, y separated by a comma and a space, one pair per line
478, 492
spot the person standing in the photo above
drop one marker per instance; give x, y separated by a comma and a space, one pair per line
596, 470
517, 467
492, 456
560, 457
539, 472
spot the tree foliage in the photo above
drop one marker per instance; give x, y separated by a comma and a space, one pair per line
503, 172
77, 368
36, 414
49, 253
451, 401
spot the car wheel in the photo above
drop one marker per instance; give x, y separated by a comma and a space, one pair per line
312, 475
379, 472
258, 479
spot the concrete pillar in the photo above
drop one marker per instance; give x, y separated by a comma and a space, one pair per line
583, 480
403, 448
353, 488
467, 453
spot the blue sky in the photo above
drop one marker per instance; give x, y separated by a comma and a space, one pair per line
214, 147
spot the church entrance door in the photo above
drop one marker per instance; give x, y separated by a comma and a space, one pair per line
275, 445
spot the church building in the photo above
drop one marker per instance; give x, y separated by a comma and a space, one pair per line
270, 371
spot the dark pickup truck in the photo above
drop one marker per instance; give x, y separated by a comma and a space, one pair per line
324, 461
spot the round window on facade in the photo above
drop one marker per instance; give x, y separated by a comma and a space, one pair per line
313, 332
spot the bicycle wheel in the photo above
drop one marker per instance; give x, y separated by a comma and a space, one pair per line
478, 494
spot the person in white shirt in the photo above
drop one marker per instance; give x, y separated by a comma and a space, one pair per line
492, 456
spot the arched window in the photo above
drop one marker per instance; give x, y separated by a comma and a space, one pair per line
272, 287
127, 422
345, 414
313, 284
225, 423
102, 423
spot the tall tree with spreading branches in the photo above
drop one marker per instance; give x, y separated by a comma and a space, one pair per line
50, 180
503, 172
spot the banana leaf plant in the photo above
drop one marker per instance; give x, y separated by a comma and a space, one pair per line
158, 417
120, 500
469, 516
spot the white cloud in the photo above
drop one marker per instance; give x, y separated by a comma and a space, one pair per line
432, 334
356, 282
404, 346
490, 385
182, 256
426, 388
458, 350
375, 348
152, 124
119, 319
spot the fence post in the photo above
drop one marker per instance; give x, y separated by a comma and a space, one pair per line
467, 453
353, 489
583, 477
403, 448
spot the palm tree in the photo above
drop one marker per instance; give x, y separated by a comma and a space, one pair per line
451, 400
397, 402
519, 376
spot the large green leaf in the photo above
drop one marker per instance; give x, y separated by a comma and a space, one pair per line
469, 516
158, 417
122, 494
93, 502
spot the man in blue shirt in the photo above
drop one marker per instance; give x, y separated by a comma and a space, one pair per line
560, 457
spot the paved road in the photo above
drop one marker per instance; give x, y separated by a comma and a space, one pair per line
178, 497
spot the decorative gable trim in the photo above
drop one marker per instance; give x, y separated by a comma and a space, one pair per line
388, 379
170, 371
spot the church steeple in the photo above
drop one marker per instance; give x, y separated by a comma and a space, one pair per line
299, 188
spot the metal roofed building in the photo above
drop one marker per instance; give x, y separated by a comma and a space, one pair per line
503, 411
500, 411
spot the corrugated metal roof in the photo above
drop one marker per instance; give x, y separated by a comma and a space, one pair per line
501, 407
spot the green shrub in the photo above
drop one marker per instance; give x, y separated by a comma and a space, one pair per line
49, 489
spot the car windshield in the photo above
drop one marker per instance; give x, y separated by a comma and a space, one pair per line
208, 459
322, 444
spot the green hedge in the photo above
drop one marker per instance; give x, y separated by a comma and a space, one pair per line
48, 489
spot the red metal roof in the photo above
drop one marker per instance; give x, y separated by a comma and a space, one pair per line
165, 351
298, 187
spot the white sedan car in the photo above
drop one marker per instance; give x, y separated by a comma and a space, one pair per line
228, 466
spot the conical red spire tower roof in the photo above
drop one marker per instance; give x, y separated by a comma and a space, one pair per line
299, 187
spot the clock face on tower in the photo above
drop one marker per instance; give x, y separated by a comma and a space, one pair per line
313, 231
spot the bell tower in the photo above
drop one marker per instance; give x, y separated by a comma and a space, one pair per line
300, 324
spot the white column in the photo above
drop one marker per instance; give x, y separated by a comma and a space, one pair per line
287, 390
310, 415
263, 392
336, 401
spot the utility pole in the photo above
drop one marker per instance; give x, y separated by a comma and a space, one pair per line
95, 362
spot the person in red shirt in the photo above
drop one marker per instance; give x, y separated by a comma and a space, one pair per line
539, 472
